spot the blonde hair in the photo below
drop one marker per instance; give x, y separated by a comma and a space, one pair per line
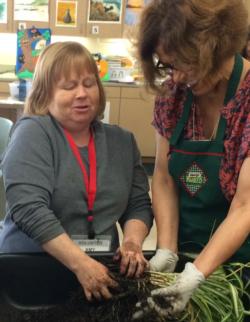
58, 60
202, 33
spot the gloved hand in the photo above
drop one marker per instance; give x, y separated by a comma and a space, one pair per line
178, 294
164, 260
172, 300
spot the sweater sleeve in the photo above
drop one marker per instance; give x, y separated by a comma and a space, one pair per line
29, 181
139, 203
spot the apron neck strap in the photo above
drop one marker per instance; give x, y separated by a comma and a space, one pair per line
183, 120
231, 90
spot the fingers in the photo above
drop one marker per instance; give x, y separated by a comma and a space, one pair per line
151, 306
98, 284
100, 291
132, 264
142, 311
117, 255
169, 291
141, 267
160, 310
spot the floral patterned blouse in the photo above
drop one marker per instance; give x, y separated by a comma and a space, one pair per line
168, 111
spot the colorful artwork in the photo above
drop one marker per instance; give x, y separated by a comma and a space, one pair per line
66, 13
30, 43
105, 11
133, 11
31, 10
3, 11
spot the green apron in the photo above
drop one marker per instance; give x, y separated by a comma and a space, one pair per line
195, 166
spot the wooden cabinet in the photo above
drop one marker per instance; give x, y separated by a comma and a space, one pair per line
113, 104
136, 114
132, 109
7, 20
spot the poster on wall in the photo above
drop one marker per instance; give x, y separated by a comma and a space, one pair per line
31, 10
133, 11
30, 42
66, 13
105, 11
3, 11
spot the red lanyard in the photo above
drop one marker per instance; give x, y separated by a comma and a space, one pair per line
89, 181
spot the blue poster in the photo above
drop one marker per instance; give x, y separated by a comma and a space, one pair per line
30, 43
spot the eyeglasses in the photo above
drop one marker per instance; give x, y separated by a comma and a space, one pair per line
164, 69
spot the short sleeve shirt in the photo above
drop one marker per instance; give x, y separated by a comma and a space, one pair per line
168, 110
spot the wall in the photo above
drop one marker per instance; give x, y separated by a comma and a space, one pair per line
106, 46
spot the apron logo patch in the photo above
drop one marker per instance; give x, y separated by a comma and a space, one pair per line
193, 179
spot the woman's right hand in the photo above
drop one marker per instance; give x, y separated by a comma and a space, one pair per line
95, 279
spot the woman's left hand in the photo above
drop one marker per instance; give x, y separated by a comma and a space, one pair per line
132, 261
172, 300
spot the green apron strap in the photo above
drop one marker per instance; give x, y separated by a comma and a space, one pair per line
234, 78
231, 90
183, 120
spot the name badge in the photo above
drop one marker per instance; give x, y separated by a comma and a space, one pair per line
102, 243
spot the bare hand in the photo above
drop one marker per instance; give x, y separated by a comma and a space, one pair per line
95, 280
132, 261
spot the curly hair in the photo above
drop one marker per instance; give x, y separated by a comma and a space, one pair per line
202, 33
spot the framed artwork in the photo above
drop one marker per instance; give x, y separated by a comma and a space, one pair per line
105, 11
30, 43
3, 11
66, 13
31, 10
133, 11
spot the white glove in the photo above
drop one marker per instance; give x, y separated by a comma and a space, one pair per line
177, 295
164, 260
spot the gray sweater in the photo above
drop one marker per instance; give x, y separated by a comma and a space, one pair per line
45, 192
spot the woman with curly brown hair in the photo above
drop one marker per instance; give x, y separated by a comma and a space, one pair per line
201, 179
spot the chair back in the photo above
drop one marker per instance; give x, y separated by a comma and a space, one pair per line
5, 127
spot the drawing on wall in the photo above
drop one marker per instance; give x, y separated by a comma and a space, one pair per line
3, 11
105, 11
66, 13
31, 10
133, 11
30, 43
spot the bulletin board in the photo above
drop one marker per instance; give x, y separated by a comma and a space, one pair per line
30, 42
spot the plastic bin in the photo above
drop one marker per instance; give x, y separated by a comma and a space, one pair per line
19, 90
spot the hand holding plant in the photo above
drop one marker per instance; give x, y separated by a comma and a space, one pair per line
172, 300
